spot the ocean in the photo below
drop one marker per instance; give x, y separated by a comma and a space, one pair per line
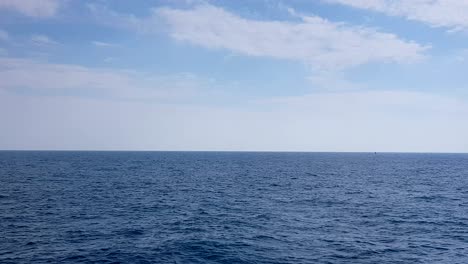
233, 207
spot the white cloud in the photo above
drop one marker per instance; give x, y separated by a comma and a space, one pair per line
314, 40
437, 13
103, 44
320, 43
33, 8
53, 79
43, 40
109, 59
109, 17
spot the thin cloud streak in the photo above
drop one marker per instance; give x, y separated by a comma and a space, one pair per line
450, 14
43, 40
40, 77
33, 8
103, 44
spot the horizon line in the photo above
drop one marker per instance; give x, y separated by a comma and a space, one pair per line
225, 151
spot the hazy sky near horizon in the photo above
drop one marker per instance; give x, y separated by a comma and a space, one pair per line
267, 75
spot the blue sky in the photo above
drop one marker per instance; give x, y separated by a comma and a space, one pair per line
297, 75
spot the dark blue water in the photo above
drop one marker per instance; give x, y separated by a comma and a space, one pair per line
208, 207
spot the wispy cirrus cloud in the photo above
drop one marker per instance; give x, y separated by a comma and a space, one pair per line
103, 44
316, 41
42, 40
39, 77
450, 14
33, 8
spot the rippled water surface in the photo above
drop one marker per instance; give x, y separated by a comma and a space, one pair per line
209, 207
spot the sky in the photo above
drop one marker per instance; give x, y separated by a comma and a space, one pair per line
258, 75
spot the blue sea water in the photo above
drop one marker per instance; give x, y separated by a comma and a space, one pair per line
233, 207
